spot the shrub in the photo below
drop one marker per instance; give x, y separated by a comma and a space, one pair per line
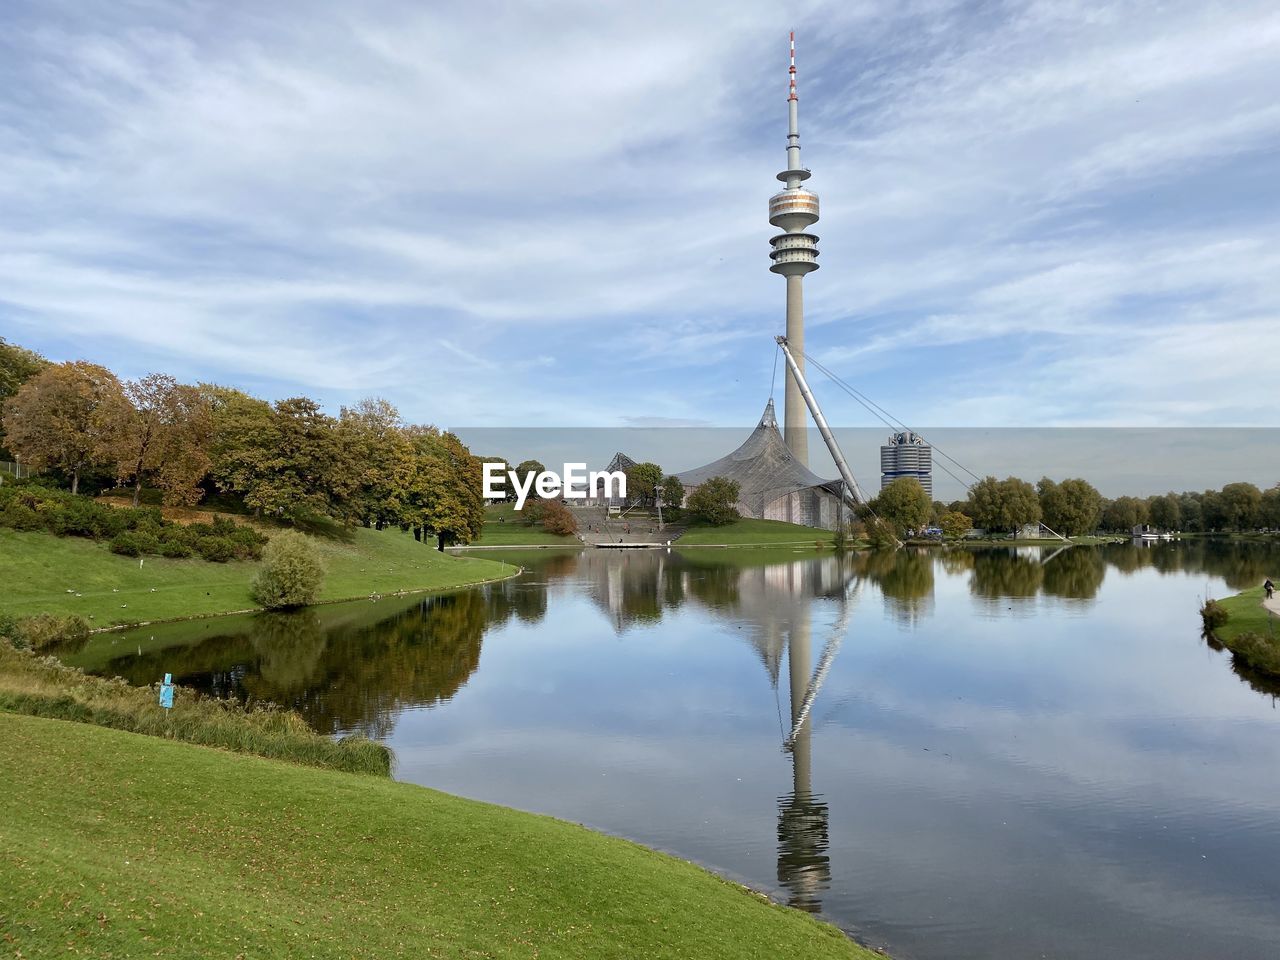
20, 517
1214, 615
557, 519
135, 543
9, 631
215, 549
44, 630
222, 527
713, 502
77, 518
130, 531
108, 522
126, 544
291, 572
176, 549
248, 543
177, 533
881, 535
534, 510
1259, 652
44, 687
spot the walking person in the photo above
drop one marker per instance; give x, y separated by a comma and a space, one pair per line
1269, 587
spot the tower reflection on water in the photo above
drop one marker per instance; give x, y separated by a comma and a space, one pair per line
804, 869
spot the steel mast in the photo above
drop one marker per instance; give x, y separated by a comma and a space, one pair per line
845, 473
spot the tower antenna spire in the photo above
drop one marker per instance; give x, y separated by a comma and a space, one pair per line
792, 71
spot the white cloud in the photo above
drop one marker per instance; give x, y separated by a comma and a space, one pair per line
322, 202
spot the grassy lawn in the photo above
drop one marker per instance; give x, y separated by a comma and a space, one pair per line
37, 570
1247, 615
115, 844
504, 526
1251, 635
746, 532
43, 687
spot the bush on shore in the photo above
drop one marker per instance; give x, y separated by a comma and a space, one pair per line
129, 531
43, 631
291, 573
713, 502
1214, 615
1258, 652
45, 687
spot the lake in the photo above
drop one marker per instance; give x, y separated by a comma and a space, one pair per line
978, 753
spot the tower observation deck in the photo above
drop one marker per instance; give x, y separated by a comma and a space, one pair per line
795, 253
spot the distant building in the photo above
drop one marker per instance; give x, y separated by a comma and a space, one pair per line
595, 495
772, 482
907, 455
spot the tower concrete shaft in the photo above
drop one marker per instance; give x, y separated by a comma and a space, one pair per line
795, 253
795, 423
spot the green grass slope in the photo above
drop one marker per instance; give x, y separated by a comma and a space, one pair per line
504, 526
745, 532
114, 844
1247, 615
38, 569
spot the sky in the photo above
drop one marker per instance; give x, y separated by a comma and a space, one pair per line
1035, 214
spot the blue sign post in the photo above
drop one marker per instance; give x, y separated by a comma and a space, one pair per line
166, 692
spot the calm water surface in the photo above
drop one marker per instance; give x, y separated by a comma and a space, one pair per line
1010, 753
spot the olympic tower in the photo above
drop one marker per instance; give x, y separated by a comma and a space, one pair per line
795, 253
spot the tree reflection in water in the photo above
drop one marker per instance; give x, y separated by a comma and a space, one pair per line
1074, 574
349, 667
1007, 574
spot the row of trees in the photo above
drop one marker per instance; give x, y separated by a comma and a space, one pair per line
1074, 507
644, 480
289, 459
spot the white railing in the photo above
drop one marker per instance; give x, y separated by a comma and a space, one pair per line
13, 469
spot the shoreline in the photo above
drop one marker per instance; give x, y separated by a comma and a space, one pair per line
537, 880
60, 576
319, 603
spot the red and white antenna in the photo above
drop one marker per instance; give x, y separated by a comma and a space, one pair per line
793, 67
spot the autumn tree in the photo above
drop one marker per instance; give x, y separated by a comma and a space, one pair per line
558, 519
282, 459
369, 436
1003, 504
245, 450
17, 366
161, 430
1071, 508
60, 418
447, 498
903, 504
714, 502
955, 524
